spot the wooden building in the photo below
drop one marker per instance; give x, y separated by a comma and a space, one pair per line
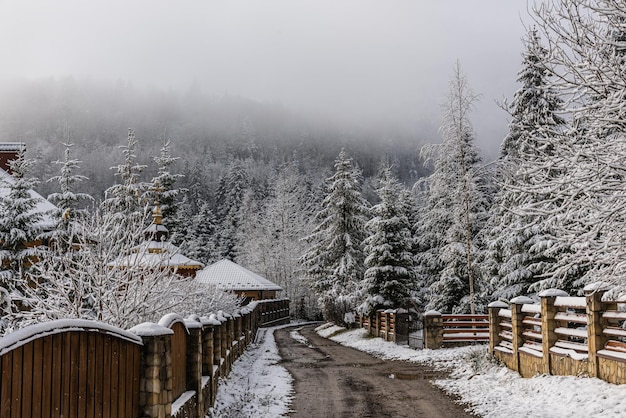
158, 252
231, 277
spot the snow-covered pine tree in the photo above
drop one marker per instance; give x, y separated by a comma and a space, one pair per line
408, 201
200, 240
123, 200
229, 196
20, 230
456, 210
389, 281
69, 202
516, 257
163, 187
334, 261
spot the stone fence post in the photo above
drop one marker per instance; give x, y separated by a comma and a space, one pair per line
433, 330
155, 383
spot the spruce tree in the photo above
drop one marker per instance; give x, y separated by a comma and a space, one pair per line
229, 196
389, 280
21, 222
334, 263
456, 210
163, 187
200, 239
124, 199
70, 203
518, 242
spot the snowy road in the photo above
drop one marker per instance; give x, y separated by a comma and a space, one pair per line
332, 380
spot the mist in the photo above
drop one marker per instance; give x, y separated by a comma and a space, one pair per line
360, 63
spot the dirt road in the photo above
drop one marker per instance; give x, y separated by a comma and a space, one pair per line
333, 381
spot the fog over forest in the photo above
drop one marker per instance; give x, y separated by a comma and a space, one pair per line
353, 70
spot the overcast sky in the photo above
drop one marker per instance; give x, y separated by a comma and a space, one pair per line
355, 59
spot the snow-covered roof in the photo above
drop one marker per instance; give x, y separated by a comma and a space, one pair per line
43, 206
156, 253
226, 275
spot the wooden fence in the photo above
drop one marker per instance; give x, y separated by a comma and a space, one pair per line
561, 335
447, 330
438, 330
390, 324
84, 369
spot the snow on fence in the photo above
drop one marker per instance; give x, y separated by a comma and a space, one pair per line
391, 324
438, 330
80, 368
446, 330
561, 335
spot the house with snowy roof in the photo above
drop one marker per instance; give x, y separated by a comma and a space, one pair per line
231, 277
9, 151
158, 252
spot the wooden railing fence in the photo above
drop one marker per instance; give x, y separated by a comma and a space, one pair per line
390, 324
446, 330
438, 330
85, 369
561, 335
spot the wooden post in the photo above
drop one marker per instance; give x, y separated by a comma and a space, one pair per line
230, 337
223, 343
517, 316
194, 364
595, 325
548, 324
245, 315
433, 330
494, 324
207, 360
155, 384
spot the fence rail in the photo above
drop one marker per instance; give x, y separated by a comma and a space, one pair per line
561, 335
85, 369
448, 329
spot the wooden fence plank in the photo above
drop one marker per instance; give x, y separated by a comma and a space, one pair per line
115, 370
74, 374
121, 404
98, 364
130, 358
46, 377
16, 383
38, 364
57, 377
7, 375
179, 359
66, 372
106, 378
91, 375
136, 379
81, 405
27, 379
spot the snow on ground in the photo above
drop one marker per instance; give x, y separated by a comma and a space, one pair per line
295, 334
493, 391
256, 386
